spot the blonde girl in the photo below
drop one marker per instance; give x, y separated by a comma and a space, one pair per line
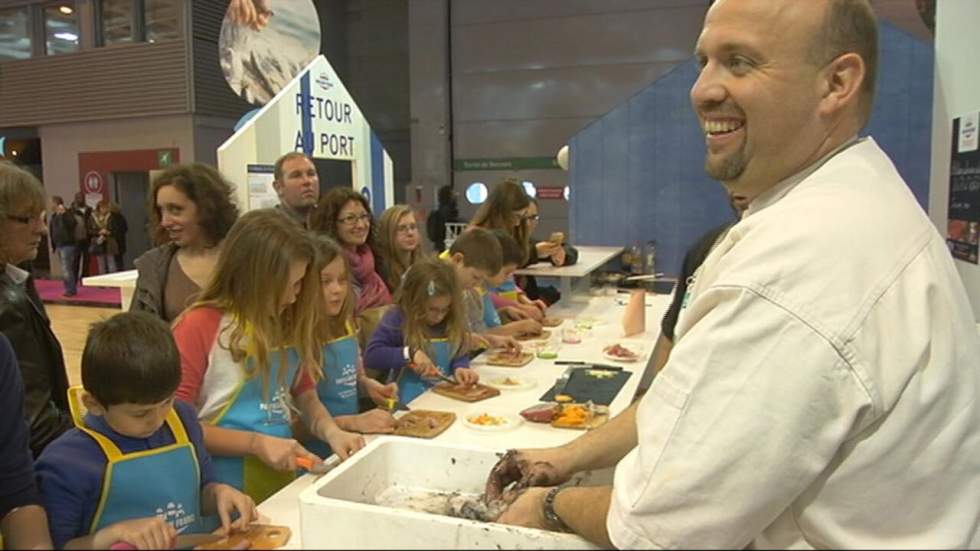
399, 244
425, 331
261, 298
342, 373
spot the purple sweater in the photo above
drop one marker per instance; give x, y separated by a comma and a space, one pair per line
385, 350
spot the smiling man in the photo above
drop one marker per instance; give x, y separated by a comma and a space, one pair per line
298, 185
822, 388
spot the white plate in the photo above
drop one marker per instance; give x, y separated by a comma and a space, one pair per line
497, 381
510, 420
631, 347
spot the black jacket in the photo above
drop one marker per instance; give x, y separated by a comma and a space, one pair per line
24, 322
62, 229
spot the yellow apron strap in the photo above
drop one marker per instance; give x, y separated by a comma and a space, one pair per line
75, 405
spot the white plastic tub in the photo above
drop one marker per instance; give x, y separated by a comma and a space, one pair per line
339, 510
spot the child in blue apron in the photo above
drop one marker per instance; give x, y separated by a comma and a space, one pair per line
261, 301
424, 334
134, 470
342, 378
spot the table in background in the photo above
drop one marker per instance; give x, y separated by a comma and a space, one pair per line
590, 259
283, 507
125, 281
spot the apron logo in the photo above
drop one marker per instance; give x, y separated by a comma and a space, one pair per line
277, 408
176, 516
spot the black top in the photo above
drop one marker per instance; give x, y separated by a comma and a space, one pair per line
17, 487
24, 322
694, 257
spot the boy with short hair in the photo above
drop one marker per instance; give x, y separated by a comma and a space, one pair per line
476, 256
134, 470
511, 258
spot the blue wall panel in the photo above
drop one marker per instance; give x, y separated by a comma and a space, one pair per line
637, 173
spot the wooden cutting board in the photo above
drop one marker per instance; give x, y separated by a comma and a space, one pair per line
422, 423
551, 322
599, 416
539, 337
260, 536
473, 393
509, 360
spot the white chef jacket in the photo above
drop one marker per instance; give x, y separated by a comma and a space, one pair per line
823, 388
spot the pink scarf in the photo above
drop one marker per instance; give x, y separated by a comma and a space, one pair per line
370, 289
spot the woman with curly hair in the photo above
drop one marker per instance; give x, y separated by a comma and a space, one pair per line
191, 210
345, 215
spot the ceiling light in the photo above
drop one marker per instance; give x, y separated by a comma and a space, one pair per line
66, 10
71, 37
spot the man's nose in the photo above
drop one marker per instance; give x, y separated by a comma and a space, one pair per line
708, 89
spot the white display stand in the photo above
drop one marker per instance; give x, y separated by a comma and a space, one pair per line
590, 259
606, 311
125, 281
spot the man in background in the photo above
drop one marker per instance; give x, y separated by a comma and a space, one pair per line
61, 230
298, 186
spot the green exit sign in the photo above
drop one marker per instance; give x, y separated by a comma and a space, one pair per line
165, 158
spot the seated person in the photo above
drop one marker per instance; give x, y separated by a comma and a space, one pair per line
134, 470
559, 253
511, 259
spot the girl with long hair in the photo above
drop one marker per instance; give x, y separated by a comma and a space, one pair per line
261, 300
399, 244
342, 377
424, 335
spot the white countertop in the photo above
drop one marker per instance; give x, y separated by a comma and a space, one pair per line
125, 279
283, 507
589, 260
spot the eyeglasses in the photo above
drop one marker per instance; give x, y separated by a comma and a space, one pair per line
352, 219
406, 228
26, 220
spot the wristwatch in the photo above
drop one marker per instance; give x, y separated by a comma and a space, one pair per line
550, 516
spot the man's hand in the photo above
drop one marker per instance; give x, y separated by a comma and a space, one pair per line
541, 467
527, 510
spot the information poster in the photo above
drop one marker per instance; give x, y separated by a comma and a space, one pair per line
261, 194
964, 189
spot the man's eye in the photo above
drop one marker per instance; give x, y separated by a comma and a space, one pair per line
738, 63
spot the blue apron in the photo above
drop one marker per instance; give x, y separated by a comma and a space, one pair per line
163, 482
410, 385
337, 388
249, 410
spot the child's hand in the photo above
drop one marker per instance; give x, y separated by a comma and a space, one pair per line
344, 443
504, 341
423, 366
377, 392
279, 453
142, 533
376, 421
228, 500
528, 327
513, 312
540, 305
466, 376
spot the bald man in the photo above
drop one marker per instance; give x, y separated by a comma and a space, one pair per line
822, 389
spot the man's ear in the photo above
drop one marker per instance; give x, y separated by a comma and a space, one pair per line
277, 185
842, 82
91, 404
457, 259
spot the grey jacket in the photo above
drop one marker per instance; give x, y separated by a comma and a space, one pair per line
151, 269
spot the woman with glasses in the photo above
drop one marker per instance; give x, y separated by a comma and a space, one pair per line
559, 253
23, 319
345, 215
506, 208
399, 244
